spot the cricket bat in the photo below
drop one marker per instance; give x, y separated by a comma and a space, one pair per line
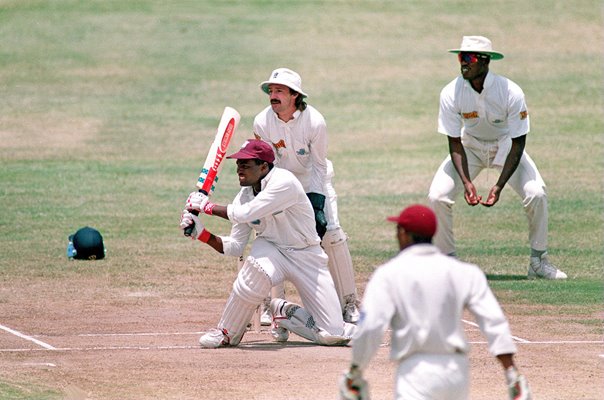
211, 167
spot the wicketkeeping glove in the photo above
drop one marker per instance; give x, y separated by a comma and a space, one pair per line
199, 232
352, 385
518, 388
318, 204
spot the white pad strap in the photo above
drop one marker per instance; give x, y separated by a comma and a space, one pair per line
296, 319
249, 289
335, 244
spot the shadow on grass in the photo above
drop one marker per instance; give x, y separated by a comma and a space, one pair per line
495, 277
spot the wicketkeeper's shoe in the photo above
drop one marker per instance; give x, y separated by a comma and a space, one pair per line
213, 339
266, 318
540, 267
351, 313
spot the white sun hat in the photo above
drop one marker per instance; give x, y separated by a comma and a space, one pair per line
478, 44
284, 76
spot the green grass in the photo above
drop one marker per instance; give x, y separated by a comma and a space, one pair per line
108, 108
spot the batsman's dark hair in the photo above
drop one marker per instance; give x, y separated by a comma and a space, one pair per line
260, 162
300, 103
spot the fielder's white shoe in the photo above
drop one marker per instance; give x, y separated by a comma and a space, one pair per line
213, 339
540, 267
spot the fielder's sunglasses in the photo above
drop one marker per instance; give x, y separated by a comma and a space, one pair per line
471, 58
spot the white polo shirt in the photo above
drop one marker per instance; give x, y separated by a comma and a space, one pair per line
421, 294
499, 111
300, 144
281, 213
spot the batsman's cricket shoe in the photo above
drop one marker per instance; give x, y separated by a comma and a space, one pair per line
540, 267
214, 338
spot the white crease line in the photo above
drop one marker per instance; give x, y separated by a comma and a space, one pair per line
31, 339
516, 338
139, 334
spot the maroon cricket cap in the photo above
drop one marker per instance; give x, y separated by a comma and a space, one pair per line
255, 148
417, 219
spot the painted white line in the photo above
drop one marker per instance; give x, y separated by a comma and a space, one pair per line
31, 339
516, 338
40, 364
139, 334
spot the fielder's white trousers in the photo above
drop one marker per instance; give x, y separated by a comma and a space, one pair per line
526, 182
307, 270
433, 377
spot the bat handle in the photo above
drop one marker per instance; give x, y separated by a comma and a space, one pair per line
189, 229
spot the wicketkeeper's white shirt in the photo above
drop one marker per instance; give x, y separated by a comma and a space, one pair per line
421, 294
300, 145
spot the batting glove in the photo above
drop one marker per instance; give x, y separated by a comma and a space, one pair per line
199, 202
199, 232
518, 388
352, 385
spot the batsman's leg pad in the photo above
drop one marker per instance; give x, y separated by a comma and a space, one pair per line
296, 319
335, 244
249, 289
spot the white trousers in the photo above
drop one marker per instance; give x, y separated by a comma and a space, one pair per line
433, 377
526, 182
307, 270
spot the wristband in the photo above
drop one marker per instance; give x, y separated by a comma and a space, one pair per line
208, 208
205, 236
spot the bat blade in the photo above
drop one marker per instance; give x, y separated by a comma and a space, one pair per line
213, 163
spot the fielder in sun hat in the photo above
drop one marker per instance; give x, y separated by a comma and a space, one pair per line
255, 149
417, 219
86, 244
284, 76
477, 44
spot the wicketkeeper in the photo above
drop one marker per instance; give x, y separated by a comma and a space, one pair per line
421, 295
298, 133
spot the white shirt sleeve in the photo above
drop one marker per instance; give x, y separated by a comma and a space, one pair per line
449, 116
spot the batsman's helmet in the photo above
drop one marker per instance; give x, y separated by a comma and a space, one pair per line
87, 244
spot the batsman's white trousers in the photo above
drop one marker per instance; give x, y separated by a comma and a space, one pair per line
307, 270
433, 377
526, 182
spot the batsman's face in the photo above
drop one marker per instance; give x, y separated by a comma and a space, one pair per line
281, 98
249, 172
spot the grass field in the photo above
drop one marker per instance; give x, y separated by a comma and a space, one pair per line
107, 109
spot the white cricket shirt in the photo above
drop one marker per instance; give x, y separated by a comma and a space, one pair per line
281, 213
300, 145
421, 294
499, 111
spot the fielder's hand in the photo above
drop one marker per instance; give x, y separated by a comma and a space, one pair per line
518, 388
199, 202
352, 385
199, 232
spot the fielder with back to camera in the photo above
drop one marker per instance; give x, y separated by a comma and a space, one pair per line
420, 295
298, 133
272, 203
486, 121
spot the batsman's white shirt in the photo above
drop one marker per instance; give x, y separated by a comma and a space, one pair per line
281, 213
300, 145
286, 245
421, 294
